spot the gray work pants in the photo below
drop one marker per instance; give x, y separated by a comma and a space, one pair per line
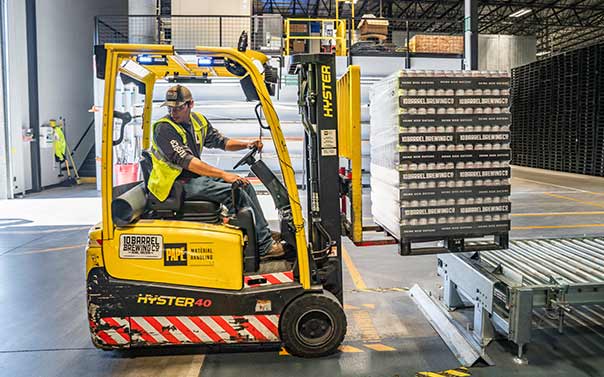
217, 190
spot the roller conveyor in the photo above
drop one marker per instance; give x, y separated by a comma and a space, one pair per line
558, 282
575, 260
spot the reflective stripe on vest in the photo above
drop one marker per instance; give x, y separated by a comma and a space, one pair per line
164, 173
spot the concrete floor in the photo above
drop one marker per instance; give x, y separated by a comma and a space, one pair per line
43, 316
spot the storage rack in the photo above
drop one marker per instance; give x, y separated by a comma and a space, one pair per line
556, 108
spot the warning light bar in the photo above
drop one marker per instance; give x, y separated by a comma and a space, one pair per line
151, 60
205, 61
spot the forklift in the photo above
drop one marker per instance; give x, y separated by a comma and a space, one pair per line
185, 272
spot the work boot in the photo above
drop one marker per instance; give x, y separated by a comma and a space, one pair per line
276, 236
275, 252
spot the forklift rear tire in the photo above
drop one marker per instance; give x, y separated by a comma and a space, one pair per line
313, 325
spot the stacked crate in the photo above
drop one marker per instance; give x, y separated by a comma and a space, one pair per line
437, 44
556, 105
440, 156
373, 28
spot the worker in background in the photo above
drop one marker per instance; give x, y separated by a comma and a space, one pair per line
59, 143
178, 140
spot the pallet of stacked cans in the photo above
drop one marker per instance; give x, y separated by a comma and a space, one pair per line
440, 154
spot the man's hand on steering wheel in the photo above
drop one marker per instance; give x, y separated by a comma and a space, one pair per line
256, 143
230, 178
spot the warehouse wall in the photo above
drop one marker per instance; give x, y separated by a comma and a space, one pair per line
219, 8
5, 189
188, 33
144, 29
17, 99
504, 52
65, 35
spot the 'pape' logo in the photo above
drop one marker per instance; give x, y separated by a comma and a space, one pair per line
175, 254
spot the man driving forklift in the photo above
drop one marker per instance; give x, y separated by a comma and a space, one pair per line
178, 140
174, 272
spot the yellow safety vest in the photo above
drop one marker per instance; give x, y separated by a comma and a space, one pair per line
164, 173
59, 143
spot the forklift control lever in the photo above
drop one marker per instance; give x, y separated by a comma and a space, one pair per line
235, 193
125, 118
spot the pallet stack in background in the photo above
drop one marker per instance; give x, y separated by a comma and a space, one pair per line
440, 153
558, 112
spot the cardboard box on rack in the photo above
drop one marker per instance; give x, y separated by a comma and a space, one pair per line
437, 44
298, 28
372, 26
299, 46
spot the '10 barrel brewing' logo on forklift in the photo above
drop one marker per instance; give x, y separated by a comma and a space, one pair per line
147, 246
178, 254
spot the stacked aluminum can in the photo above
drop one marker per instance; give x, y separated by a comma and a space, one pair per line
440, 154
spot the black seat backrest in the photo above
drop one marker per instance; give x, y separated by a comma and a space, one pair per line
146, 164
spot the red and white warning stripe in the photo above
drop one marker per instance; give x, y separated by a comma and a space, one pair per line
112, 331
209, 329
271, 279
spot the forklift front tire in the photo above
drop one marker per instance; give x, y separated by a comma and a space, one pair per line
313, 325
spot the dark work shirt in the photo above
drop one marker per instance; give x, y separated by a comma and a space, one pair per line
170, 143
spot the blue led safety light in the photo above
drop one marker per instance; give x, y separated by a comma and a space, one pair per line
144, 59
151, 60
205, 61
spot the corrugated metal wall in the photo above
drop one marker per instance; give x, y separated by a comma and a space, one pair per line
504, 52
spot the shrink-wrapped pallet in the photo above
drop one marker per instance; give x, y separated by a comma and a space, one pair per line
440, 153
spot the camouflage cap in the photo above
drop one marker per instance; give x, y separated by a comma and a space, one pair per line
177, 95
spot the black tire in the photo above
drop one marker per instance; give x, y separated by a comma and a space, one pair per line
313, 325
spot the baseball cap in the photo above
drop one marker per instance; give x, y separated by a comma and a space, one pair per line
177, 95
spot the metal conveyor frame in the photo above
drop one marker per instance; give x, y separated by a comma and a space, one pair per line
504, 286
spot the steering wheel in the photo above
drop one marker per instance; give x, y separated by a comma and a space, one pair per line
248, 158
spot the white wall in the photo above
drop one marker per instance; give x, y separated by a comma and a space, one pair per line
5, 190
218, 8
188, 33
504, 52
18, 110
65, 71
143, 29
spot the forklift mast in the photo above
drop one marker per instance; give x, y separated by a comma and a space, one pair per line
318, 108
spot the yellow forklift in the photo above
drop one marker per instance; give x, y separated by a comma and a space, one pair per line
179, 272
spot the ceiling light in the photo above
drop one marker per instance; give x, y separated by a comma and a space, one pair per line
520, 13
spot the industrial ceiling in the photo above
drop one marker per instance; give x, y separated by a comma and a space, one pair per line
558, 25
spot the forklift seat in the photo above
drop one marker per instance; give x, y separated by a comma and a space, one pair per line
175, 204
